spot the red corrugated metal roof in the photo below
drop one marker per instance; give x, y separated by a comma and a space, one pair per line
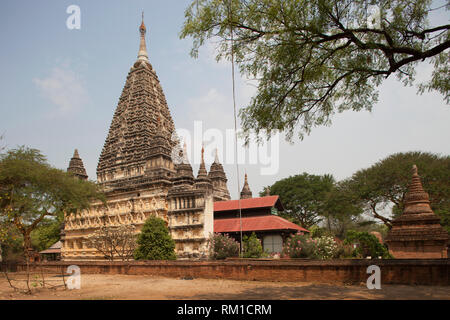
259, 223
262, 202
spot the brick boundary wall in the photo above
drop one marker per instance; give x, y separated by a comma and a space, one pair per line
349, 271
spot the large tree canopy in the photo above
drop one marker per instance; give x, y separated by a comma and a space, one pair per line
304, 197
383, 186
315, 57
311, 199
31, 191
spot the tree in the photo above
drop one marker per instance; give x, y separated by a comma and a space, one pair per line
11, 243
252, 247
312, 58
114, 242
303, 197
342, 210
381, 188
367, 245
155, 242
46, 234
31, 191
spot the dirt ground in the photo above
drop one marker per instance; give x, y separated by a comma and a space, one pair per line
111, 287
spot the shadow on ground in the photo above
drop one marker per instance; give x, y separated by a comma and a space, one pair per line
324, 292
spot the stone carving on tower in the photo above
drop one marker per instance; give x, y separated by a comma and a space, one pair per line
417, 233
141, 109
138, 175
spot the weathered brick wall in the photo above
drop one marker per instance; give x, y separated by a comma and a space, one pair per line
395, 271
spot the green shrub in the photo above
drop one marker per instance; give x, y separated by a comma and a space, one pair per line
325, 247
344, 251
252, 247
48, 232
367, 245
317, 232
222, 246
299, 246
154, 241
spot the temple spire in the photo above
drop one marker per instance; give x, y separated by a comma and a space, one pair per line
76, 166
142, 55
246, 193
417, 232
202, 170
219, 180
185, 158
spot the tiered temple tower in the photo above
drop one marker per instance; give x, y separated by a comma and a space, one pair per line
138, 175
203, 182
417, 233
76, 166
219, 180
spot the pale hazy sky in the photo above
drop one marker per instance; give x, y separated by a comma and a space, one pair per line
60, 87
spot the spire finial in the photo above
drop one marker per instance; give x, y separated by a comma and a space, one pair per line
142, 55
203, 153
185, 158
216, 159
415, 171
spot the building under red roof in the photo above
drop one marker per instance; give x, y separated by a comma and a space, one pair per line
258, 215
258, 223
252, 203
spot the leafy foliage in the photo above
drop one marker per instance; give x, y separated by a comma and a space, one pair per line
31, 190
367, 245
303, 197
155, 242
222, 246
11, 244
304, 246
342, 210
345, 251
325, 247
114, 242
252, 247
46, 234
312, 58
299, 246
384, 185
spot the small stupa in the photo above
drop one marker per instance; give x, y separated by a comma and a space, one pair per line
417, 233
76, 166
246, 193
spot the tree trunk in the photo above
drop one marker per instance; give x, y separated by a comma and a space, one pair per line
27, 248
27, 245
